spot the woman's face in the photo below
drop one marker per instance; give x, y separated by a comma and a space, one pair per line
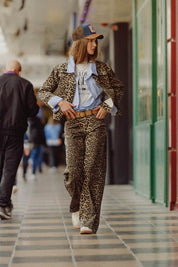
91, 46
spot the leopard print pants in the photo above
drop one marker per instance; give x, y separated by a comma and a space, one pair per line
85, 140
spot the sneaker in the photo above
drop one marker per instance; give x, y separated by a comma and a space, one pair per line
52, 170
15, 189
3, 214
75, 220
85, 230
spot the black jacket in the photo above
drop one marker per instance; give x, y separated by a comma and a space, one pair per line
17, 103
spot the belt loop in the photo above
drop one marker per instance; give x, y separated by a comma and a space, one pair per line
82, 114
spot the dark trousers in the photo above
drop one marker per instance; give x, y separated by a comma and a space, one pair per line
25, 160
53, 153
85, 140
11, 150
37, 158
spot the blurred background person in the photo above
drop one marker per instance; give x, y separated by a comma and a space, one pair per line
53, 132
37, 138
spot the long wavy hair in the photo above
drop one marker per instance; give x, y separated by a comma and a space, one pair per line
79, 51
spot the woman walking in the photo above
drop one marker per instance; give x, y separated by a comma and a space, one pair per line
82, 91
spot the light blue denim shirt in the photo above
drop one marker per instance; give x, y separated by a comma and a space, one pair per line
95, 90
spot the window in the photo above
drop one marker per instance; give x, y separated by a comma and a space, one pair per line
160, 57
144, 93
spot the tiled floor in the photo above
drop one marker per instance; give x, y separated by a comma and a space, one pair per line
133, 232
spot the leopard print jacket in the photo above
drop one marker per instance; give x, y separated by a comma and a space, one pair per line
63, 84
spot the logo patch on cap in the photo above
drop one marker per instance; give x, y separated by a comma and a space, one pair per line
91, 28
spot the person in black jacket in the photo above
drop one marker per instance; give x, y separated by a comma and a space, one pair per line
37, 138
17, 103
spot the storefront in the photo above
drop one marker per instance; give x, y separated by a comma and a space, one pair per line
150, 166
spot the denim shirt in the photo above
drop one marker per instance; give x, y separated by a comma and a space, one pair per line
95, 90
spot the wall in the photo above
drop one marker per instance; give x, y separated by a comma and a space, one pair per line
120, 135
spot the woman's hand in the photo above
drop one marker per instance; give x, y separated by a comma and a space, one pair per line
101, 112
59, 141
67, 108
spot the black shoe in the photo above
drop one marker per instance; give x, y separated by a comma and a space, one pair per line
3, 213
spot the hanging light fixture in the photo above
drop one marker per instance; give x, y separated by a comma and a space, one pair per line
85, 11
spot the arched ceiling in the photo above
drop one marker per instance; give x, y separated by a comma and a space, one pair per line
36, 30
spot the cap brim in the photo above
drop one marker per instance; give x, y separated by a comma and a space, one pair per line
95, 36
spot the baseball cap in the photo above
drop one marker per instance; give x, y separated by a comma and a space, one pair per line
85, 31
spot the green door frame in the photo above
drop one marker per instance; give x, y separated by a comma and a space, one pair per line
154, 102
135, 86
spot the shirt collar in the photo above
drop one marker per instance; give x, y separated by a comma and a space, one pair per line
71, 67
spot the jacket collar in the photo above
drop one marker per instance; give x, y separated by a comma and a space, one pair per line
71, 67
10, 72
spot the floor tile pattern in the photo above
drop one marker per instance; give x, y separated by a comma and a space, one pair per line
133, 232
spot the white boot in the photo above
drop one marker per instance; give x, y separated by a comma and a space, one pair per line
75, 220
